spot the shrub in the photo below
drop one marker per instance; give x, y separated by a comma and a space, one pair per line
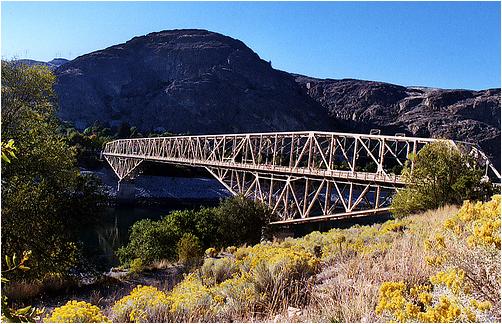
241, 221
143, 304
237, 299
201, 223
466, 285
363, 240
263, 279
441, 175
211, 252
136, 265
235, 221
470, 241
149, 241
215, 271
190, 301
189, 250
76, 312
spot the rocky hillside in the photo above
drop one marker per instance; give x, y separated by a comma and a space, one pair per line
466, 115
184, 81
198, 81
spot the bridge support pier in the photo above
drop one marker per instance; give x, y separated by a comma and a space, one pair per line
126, 191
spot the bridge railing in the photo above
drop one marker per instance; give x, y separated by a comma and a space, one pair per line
355, 156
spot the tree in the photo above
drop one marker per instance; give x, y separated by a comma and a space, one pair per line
241, 221
441, 175
44, 198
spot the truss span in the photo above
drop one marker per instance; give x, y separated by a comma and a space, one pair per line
302, 176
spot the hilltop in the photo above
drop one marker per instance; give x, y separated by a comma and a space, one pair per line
184, 81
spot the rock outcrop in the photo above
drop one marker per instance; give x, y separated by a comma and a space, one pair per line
191, 81
465, 115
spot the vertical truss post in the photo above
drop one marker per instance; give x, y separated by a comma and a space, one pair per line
354, 156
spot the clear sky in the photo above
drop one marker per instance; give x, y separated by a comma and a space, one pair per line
440, 44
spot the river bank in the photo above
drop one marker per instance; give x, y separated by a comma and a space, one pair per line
145, 197
153, 190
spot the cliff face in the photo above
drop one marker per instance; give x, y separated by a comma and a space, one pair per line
465, 115
202, 82
184, 81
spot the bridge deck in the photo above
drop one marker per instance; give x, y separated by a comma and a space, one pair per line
337, 174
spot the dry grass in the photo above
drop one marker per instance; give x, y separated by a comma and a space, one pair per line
28, 290
347, 288
160, 265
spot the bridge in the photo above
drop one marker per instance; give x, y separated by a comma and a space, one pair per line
301, 176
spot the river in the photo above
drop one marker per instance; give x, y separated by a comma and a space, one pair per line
112, 232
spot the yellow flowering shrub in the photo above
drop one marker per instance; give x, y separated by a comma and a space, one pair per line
143, 304
211, 252
76, 312
293, 260
189, 295
392, 299
393, 226
466, 254
237, 294
364, 240
421, 304
453, 279
480, 222
250, 280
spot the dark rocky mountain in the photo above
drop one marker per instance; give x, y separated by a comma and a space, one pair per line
184, 81
198, 81
466, 115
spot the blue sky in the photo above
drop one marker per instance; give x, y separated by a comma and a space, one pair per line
440, 44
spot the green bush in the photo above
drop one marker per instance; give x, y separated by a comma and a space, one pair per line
149, 241
136, 265
441, 175
241, 221
201, 223
236, 221
189, 250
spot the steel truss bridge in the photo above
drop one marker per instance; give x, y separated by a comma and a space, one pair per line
301, 176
